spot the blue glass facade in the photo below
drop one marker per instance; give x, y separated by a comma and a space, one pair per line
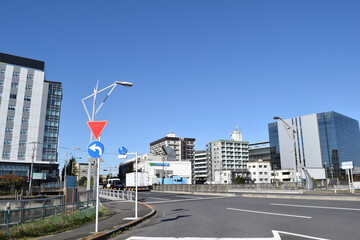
274, 146
339, 139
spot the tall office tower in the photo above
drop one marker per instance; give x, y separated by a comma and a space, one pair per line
183, 147
320, 142
29, 119
228, 155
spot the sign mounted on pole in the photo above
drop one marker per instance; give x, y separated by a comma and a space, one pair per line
96, 149
347, 165
97, 127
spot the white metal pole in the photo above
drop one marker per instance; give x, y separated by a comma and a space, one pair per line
352, 180
65, 173
348, 172
136, 186
97, 196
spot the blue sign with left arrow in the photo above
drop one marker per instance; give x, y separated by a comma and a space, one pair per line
96, 149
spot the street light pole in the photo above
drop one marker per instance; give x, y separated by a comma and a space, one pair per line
292, 144
95, 111
32, 165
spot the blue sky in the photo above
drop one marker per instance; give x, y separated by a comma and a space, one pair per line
199, 68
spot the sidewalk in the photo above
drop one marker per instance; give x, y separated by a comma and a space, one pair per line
118, 210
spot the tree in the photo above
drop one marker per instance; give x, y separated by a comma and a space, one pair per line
82, 181
239, 180
71, 169
11, 181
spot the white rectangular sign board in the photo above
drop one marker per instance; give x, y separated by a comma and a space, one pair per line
347, 165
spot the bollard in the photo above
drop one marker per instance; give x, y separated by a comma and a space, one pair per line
55, 215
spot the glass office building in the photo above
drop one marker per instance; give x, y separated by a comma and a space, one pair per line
322, 140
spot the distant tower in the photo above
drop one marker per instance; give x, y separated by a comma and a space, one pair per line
236, 135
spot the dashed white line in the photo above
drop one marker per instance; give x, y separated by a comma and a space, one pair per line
269, 213
166, 199
304, 206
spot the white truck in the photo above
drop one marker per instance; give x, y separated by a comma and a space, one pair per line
142, 183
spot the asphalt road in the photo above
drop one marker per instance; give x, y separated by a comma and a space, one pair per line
196, 216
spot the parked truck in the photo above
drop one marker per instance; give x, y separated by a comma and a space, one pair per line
142, 183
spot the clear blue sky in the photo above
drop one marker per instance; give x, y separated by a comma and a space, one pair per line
199, 68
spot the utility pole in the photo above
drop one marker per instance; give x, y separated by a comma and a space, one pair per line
32, 165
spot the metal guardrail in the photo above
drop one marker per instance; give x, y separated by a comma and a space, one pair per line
17, 216
204, 188
121, 194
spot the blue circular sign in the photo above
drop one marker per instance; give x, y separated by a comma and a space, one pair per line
96, 149
122, 150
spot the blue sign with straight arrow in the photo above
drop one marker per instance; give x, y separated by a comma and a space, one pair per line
96, 149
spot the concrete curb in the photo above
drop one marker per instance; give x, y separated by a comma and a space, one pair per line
198, 193
107, 234
306, 197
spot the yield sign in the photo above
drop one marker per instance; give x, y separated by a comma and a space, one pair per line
97, 127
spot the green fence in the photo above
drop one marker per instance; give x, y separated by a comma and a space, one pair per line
12, 217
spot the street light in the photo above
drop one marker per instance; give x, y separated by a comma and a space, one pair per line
92, 118
288, 127
95, 111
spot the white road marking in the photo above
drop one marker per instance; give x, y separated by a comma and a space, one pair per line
275, 233
184, 200
304, 206
143, 193
268, 213
188, 197
159, 198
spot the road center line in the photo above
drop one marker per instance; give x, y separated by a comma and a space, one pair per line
184, 200
268, 213
304, 206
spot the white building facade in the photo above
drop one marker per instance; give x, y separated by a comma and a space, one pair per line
200, 167
260, 171
228, 155
29, 119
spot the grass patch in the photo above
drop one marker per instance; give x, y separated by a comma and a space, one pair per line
46, 226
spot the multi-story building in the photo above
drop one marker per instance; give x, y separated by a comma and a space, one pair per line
260, 150
183, 147
317, 141
231, 155
29, 119
260, 171
200, 167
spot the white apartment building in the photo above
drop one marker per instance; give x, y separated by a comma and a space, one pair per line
283, 175
29, 119
224, 155
183, 147
260, 171
200, 167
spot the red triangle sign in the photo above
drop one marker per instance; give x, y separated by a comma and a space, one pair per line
97, 127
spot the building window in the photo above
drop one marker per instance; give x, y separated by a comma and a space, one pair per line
21, 155
23, 131
260, 173
27, 98
1, 83
22, 143
11, 107
265, 166
8, 130
6, 154
16, 74
254, 173
28, 87
7, 142
14, 85
260, 166
26, 109
13, 96
10, 119
2, 71
30, 76
25, 120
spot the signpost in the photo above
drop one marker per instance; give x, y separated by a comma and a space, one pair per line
95, 151
348, 166
123, 154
